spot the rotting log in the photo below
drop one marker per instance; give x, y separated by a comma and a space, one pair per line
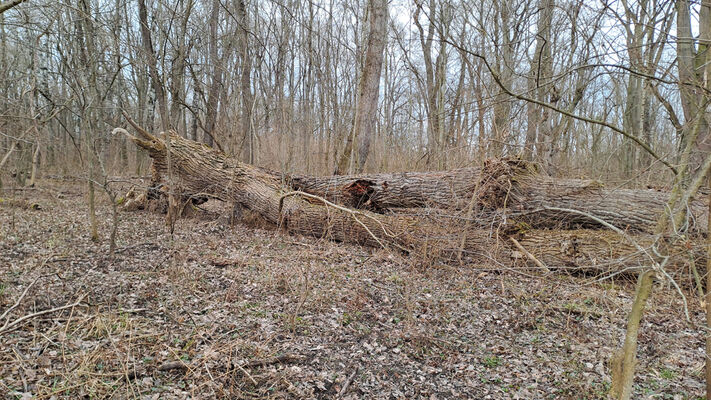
604, 252
203, 170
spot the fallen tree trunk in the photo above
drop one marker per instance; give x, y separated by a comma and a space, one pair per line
200, 170
606, 252
510, 188
450, 190
204, 171
512, 185
380, 192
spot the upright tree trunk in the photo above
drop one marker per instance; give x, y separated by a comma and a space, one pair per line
435, 76
504, 68
539, 133
88, 53
157, 84
248, 143
177, 68
707, 299
694, 67
366, 114
152, 62
213, 91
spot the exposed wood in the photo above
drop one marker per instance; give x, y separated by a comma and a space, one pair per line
529, 255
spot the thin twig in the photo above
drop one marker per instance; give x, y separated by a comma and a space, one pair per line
8, 326
529, 255
247, 374
17, 303
347, 383
24, 293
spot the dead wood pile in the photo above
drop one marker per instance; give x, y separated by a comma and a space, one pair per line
505, 212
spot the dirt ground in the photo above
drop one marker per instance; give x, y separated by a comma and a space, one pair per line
221, 311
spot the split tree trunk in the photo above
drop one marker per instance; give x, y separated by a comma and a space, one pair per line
512, 187
515, 185
436, 237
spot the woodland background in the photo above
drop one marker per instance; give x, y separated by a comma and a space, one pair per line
277, 82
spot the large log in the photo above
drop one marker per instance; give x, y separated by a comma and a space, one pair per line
513, 187
201, 169
605, 252
450, 190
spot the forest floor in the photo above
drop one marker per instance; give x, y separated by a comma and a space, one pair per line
221, 311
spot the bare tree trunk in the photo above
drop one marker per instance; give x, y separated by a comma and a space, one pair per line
35, 164
248, 142
157, 84
213, 92
545, 140
435, 76
366, 113
87, 52
624, 361
504, 67
177, 68
707, 299
152, 62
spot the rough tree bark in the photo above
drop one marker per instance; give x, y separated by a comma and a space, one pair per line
528, 196
512, 187
200, 169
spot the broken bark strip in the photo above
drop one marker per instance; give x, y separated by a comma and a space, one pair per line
201, 169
